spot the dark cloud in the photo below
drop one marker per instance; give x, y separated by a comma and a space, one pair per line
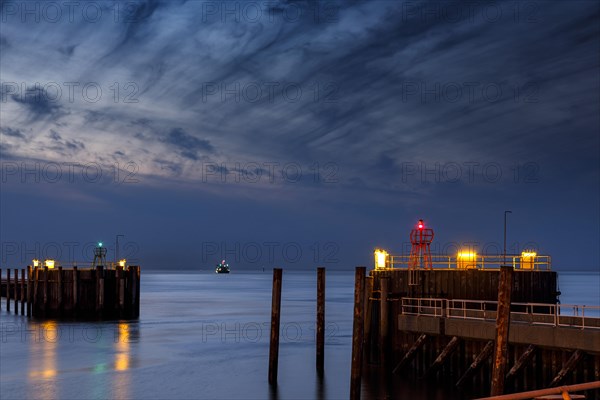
64, 146
8, 131
67, 50
40, 104
189, 146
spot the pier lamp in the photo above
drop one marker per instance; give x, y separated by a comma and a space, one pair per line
122, 263
466, 260
49, 264
381, 258
528, 259
36, 263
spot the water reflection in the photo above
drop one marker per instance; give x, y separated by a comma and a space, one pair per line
43, 360
125, 335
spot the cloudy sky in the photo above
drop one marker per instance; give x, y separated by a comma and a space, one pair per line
298, 133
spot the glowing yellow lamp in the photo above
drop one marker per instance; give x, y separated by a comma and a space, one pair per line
49, 264
381, 257
528, 259
122, 263
466, 260
36, 263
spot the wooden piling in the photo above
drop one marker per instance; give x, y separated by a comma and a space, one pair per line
16, 291
22, 291
383, 322
8, 289
29, 289
275, 318
320, 319
502, 325
75, 288
45, 289
36, 273
357, 333
60, 290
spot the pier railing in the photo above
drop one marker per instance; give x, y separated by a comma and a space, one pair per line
476, 261
567, 315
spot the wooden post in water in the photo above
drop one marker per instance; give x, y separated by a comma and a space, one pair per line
45, 289
75, 288
36, 278
22, 291
8, 289
502, 326
60, 290
320, 319
357, 333
383, 322
275, 314
16, 291
29, 289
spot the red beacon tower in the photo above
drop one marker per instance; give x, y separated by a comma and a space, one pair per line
420, 252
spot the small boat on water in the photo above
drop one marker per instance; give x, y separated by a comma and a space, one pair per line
222, 268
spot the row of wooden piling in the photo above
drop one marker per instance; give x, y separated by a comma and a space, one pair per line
275, 323
74, 293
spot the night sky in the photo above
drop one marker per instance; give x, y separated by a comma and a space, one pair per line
297, 134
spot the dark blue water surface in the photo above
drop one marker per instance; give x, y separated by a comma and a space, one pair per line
202, 335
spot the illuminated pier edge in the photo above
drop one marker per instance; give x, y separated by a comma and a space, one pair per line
421, 258
465, 259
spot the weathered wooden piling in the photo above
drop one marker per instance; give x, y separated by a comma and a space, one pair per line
357, 333
22, 292
320, 319
275, 319
59, 296
502, 325
16, 291
75, 295
8, 289
383, 322
29, 290
45, 290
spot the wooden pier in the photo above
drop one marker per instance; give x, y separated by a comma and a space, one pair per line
73, 293
441, 324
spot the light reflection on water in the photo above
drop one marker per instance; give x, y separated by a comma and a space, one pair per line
205, 336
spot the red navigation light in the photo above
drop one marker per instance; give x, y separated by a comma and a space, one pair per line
421, 225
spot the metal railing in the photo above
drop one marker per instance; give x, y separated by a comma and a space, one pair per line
575, 316
423, 306
537, 263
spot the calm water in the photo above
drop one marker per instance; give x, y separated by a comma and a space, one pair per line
204, 335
